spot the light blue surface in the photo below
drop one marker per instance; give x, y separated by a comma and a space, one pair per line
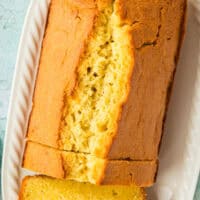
12, 14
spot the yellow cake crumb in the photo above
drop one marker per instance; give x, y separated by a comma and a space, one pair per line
92, 111
43, 188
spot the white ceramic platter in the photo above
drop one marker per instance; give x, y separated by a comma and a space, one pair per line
21, 97
180, 151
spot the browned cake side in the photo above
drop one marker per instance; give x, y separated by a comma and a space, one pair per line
158, 29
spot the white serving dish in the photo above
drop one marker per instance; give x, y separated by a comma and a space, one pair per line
180, 150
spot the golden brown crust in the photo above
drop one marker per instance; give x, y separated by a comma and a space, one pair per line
170, 88
44, 160
157, 29
101, 4
22, 188
61, 51
82, 4
48, 161
140, 173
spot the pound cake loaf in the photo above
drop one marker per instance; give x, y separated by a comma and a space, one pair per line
41, 187
88, 168
102, 89
104, 76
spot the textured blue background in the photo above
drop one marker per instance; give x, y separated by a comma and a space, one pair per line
12, 13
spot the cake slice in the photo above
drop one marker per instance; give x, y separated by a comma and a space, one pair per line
88, 168
41, 187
